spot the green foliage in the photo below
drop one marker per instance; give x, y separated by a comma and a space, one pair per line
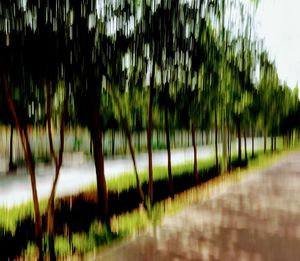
10, 217
98, 235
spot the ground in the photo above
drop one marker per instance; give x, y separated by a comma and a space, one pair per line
257, 218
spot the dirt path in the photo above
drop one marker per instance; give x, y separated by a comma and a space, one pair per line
256, 219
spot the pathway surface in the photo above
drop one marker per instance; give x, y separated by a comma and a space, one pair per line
75, 176
255, 219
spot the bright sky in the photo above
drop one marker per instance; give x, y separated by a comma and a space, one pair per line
278, 22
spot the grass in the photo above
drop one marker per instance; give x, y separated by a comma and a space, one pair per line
127, 180
130, 224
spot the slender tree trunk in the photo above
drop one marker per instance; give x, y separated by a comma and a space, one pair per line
50, 216
225, 156
174, 138
149, 136
129, 139
188, 136
169, 152
252, 132
206, 137
58, 164
96, 132
165, 88
275, 145
11, 164
239, 141
29, 163
245, 144
216, 142
272, 143
157, 138
138, 186
196, 176
229, 149
265, 139
113, 142
125, 143
139, 141
181, 137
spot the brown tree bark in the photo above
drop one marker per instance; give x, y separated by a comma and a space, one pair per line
181, 133
265, 139
252, 132
229, 148
29, 163
239, 140
157, 138
58, 164
224, 144
170, 177
113, 142
129, 139
196, 176
216, 142
245, 145
11, 164
96, 133
272, 142
139, 141
149, 136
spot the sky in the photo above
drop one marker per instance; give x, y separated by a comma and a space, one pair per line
278, 23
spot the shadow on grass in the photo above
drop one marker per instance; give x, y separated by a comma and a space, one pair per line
77, 214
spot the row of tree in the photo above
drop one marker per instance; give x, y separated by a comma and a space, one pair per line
107, 63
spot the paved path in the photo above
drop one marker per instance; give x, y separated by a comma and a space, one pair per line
255, 219
16, 189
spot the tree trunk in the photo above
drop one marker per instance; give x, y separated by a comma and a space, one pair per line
265, 139
252, 132
174, 138
196, 176
29, 163
181, 137
131, 148
139, 141
124, 143
50, 216
275, 145
229, 149
157, 138
239, 141
245, 144
207, 136
96, 132
272, 142
225, 156
149, 136
11, 164
138, 186
113, 142
216, 142
58, 164
169, 152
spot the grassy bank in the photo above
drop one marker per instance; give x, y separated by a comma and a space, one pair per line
78, 231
